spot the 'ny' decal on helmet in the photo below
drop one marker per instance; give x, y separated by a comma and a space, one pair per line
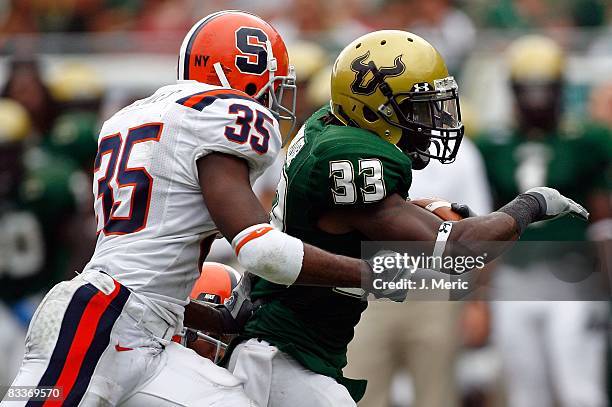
371, 84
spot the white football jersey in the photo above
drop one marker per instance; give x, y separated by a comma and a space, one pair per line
151, 217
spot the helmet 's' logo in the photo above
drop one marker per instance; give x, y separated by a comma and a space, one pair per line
252, 43
366, 80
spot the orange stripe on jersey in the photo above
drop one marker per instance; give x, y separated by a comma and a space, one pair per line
83, 337
192, 100
253, 235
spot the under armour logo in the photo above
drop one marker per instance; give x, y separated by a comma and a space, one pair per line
367, 80
421, 87
444, 227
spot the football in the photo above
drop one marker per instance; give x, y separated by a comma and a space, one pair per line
439, 207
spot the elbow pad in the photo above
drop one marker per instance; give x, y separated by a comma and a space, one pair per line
269, 253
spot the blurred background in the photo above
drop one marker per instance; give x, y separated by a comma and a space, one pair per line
535, 78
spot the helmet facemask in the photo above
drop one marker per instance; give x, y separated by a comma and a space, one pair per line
279, 93
205, 345
430, 121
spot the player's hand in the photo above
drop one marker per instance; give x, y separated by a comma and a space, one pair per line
392, 276
463, 210
554, 205
238, 308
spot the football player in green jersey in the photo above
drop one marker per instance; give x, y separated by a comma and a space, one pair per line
39, 195
541, 150
346, 178
36, 204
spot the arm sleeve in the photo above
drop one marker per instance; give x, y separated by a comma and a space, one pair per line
357, 173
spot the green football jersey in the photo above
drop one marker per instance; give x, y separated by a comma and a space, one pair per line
74, 135
328, 166
33, 255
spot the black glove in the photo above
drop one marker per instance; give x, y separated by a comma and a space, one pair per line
463, 210
238, 308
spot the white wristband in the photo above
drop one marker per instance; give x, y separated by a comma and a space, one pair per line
443, 234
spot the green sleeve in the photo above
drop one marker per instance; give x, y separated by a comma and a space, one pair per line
355, 168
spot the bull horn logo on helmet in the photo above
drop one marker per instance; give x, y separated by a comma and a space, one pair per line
362, 70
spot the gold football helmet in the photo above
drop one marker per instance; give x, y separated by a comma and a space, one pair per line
395, 84
537, 65
535, 58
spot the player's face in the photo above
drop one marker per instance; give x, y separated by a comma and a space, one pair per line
204, 348
438, 116
208, 349
538, 104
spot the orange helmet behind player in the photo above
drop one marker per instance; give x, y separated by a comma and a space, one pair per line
215, 283
214, 286
240, 50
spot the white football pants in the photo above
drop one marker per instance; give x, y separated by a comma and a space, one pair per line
102, 346
274, 379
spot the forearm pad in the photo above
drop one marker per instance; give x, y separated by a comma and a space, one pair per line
269, 253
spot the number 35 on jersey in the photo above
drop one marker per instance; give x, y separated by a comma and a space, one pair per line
124, 191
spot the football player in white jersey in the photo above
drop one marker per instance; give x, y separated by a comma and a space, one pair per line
171, 171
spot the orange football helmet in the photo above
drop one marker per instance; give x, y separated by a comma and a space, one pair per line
214, 286
215, 283
239, 50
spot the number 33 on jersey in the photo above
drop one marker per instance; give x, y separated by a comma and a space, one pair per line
336, 166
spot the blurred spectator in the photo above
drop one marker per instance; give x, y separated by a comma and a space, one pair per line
446, 27
308, 58
524, 14
15, 127
115, 15
25, 85
39, 198
303, 19
600, 104
588, 13
66, 15
20, 240
550, 350
334, 21
18, 18
348, 21
79, 93
318, 90
76, 86
165, 16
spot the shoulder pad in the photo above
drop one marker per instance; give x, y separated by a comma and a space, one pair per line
200, 100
